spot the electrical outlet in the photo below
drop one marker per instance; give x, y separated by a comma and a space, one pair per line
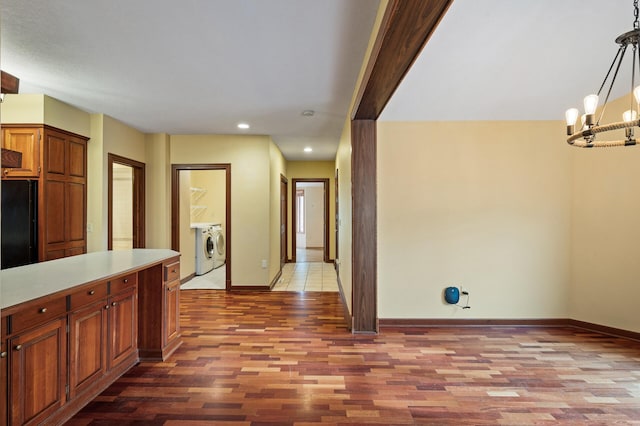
264, 263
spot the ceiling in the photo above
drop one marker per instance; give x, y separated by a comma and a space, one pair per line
203, 66
513, 60
197, 66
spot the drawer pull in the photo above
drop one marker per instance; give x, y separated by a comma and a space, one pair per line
113, 303
18, 347
3, 354
173, 271
42, 310
106, 307
92, 292
126, 280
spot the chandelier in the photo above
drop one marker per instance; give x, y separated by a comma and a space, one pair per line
585, 137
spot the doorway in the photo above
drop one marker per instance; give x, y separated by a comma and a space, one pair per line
188, 205
310, 220
126, 210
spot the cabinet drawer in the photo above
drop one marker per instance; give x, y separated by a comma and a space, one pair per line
122, 283
88, 295
171, 271
38, 312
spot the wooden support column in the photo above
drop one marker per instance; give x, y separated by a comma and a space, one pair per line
363, 227
406, 27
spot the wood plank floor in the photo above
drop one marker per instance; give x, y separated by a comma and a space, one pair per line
286, 359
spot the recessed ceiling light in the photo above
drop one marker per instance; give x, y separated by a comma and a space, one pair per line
308, 149
308, 112
243, 126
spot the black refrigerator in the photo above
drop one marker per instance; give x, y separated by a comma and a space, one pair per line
19, 223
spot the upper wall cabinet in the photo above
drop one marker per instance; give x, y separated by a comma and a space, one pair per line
26, 140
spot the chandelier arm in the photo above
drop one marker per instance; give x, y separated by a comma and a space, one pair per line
613, 80
600, 129
606, 77
604, 144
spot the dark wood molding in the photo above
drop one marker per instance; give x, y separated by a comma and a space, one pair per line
187, 278
11, 159
275, 279
138, 201
251, 288
406, 27
294, 216
364, 229
515, 322
603, 329
10, 83
175, 209
447, 322
348, 320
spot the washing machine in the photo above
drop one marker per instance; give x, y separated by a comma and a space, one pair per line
205, 249
219, 253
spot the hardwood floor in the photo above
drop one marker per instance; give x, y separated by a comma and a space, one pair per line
284, 358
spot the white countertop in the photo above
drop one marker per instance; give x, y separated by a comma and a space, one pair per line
24, 283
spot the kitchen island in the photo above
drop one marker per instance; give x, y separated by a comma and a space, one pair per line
72, 326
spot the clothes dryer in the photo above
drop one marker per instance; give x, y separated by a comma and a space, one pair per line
219, 250
205, 250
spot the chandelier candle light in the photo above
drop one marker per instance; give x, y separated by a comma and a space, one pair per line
586, 136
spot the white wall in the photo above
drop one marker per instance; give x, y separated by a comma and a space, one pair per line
484, 205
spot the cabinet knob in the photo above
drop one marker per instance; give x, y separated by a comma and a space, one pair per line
106, 307
3, 354
173, 271
126, 280
113, 303
92, 292
18, 347
42, 310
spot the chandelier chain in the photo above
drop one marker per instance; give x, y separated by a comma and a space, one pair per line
636, 25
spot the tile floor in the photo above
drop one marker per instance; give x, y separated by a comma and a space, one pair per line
213, 280
308, 276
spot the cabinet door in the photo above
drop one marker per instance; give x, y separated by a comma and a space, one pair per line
87, 346
26, 141
3, 380
123, 323
37, 372
172, 311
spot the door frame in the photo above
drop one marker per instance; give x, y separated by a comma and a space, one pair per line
175, 208
294, 217
138, 199
284, 239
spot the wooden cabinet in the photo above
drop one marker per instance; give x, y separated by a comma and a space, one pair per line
59, 351
63, 198
123, 327
103, 331
87, 338
26, 141
159, 304
171, 318
37, 372
4, 354
58, 160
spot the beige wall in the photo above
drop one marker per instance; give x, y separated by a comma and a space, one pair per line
107, 136
343, 259
250, 191
483, 205
43, 109
313, 169
208, 190
278, 167
605, 233
158, 191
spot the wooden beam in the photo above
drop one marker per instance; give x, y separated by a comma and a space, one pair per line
406, 26
405, 29
10, 83
11, 159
